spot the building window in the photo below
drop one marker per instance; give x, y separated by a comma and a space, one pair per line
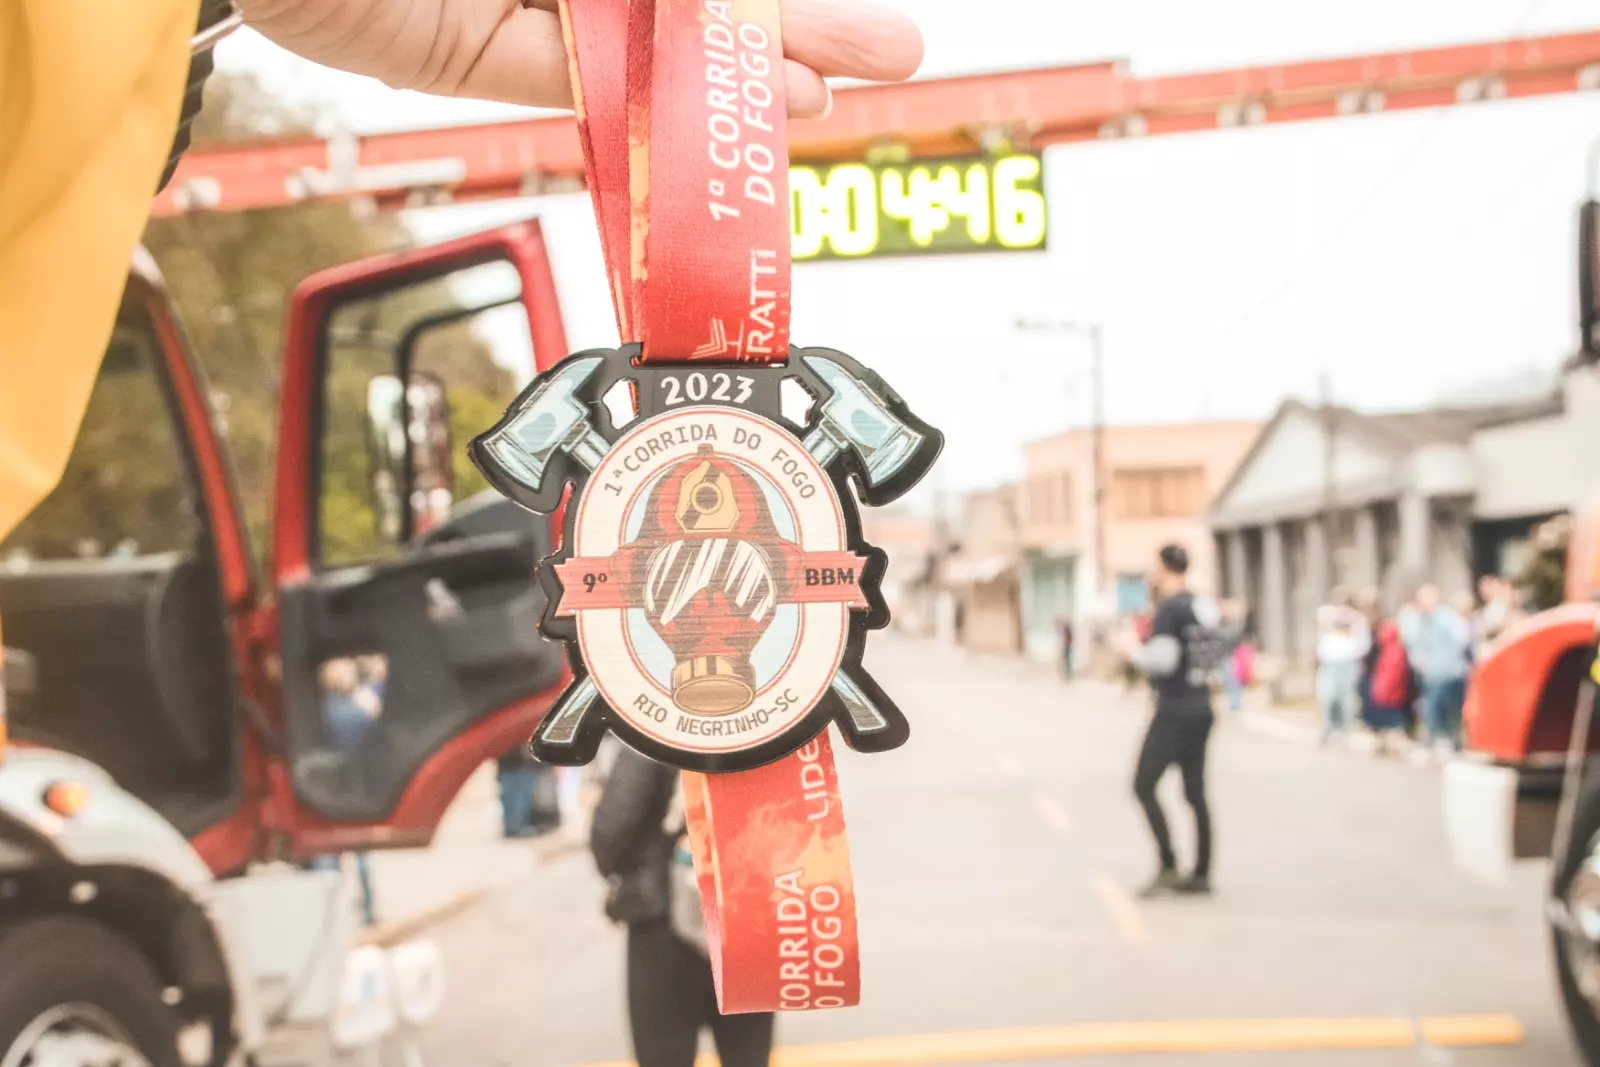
1158, 493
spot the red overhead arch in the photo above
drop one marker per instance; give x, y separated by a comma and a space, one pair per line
928, 118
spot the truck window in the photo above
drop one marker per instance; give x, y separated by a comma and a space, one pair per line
474, 363
126, 491
111, 586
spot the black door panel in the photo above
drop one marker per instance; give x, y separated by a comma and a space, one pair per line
460, 563
386, 663
132, 667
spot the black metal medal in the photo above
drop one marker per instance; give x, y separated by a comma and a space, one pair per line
712, 585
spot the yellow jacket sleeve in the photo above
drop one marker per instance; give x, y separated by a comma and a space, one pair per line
90, 92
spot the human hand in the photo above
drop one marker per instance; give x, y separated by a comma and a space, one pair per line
512, 50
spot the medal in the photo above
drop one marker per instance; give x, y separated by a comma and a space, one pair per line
712, 584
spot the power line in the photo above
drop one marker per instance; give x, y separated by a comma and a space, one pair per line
1487, 212
1374, 196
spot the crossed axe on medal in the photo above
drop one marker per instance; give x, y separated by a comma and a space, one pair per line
853, 420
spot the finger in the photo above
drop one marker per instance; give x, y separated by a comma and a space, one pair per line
851, 39
841, 38
809, 96
525, 63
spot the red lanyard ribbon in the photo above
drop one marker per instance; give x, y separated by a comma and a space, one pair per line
685, 145
694, 120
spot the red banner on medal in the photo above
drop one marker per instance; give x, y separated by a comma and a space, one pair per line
613, 582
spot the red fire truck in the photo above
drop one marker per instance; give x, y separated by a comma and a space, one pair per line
176, 747
1524, 792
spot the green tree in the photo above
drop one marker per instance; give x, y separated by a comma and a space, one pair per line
1542, 577
119, 487
230, 276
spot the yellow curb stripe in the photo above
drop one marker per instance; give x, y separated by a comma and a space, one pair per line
1121, 909
1089, 1039
1468, 1031
1135, 1038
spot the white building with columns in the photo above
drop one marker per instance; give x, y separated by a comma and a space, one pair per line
1388, 501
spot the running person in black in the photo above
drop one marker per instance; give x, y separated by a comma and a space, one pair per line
1184, 651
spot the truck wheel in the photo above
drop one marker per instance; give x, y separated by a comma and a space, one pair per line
1575, 926
74, 992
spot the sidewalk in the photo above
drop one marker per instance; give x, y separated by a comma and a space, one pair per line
417, 887
1297, 723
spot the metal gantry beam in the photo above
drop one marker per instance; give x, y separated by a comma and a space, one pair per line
945, 116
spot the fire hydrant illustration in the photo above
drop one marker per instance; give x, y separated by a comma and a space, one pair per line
710, 581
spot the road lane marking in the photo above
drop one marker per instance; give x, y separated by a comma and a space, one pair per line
1179, 1036
1120, 907
1050, 809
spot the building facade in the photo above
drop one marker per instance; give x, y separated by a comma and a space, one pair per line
1333, 497
1158, 481
915, 545
982, 574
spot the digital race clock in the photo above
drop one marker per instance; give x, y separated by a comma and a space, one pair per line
970, 204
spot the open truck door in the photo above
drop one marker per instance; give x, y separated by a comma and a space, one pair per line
408, 618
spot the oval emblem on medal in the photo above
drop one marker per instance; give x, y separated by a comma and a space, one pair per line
703, 546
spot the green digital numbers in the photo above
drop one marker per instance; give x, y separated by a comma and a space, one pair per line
856, 210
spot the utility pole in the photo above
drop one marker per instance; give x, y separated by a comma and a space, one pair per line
1330, 432
1097, 434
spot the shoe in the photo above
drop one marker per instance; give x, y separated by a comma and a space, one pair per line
1166, 881
1196, 885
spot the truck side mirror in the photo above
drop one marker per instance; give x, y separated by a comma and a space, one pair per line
431, 481
409, 439
1589, 279
386, 444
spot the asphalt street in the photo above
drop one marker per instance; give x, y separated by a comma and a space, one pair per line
996, 856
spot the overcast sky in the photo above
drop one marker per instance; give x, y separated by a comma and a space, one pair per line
1406, 255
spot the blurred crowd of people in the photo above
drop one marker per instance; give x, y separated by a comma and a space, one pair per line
1406, 675
1403, 675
